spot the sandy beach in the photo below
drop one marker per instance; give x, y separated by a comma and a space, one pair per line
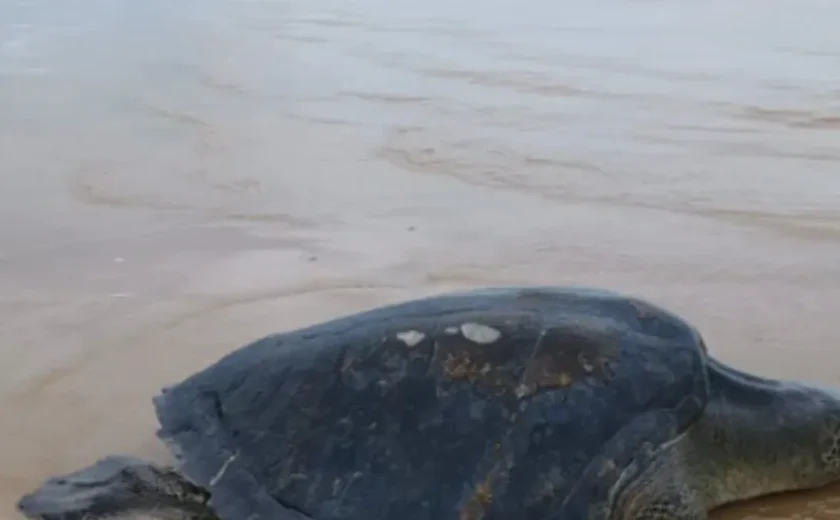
177, 179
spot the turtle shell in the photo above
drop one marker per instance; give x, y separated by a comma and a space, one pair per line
485, 404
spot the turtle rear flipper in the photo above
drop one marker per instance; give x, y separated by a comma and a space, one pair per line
117, 485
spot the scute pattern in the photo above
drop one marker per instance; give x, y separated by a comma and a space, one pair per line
345, 420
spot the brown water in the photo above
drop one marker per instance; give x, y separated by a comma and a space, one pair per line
177, 178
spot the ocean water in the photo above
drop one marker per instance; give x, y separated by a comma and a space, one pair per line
178, 178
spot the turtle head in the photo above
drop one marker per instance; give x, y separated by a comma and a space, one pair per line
759, 436
112, 486
800, 436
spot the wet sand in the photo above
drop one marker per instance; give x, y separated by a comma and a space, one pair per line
176, 180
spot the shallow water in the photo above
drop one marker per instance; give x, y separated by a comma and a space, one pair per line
180, 177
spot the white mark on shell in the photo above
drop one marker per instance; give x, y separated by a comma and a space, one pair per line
451, 330
479, 333
221, 472
410, 337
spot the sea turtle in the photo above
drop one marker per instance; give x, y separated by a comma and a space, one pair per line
533, 403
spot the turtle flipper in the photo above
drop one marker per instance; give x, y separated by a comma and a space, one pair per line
114, 486
661, 491
674, 506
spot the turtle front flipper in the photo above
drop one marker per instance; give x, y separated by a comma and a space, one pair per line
115, 486
672, 506
663, 489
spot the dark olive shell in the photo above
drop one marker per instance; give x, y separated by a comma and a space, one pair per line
519, 402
